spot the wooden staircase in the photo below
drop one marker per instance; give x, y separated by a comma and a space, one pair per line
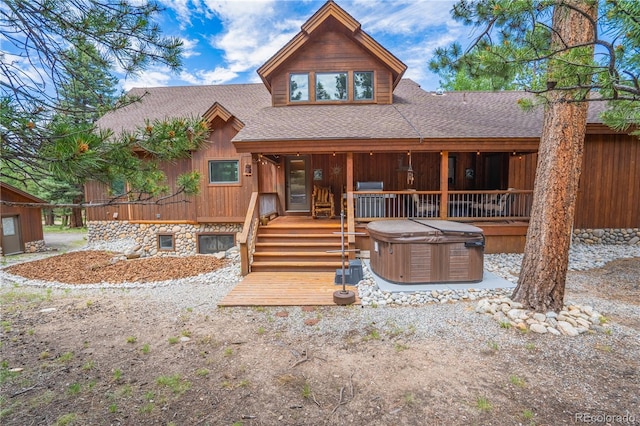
290, 245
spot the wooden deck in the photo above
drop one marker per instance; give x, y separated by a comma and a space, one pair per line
284, 289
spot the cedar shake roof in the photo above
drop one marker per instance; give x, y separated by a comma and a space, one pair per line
414, 114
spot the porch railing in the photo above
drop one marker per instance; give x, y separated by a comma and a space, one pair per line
247, 238
268, 203
461, 205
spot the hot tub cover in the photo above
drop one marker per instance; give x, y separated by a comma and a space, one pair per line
423, 231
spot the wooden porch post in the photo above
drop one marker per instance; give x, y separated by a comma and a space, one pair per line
444, 184
351, 223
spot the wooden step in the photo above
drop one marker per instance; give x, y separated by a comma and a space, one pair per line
292, 238
260, 266
307, 256
298, 246
300, 229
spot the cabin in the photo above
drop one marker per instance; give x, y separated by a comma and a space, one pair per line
333, 138
21, 226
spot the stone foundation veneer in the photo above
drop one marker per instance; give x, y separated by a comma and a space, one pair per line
35, 246
629, 236
185, 235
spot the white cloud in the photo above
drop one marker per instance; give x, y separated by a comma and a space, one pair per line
253, 31
401, 17
217, 76
182, 8
189, 47
152, 77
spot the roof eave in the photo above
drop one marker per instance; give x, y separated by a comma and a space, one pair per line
386, 145
218, 111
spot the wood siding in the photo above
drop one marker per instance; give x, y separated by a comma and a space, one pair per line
30, 218
332, 52
522, 170
220, 202
610, 183
391, 169
214, 203
175, 208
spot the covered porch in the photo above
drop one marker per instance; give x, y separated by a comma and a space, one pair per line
491, 189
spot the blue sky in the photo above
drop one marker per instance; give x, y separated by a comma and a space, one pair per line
225, 41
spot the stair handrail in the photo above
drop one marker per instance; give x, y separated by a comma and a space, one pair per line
247, 237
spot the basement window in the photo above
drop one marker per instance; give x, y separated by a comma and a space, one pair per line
166, 242
214, 243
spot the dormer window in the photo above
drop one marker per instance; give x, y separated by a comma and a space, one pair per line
331, 86
363, 85
299, 87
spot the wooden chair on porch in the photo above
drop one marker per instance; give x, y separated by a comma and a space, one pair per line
322, 202
493, 205
422, 207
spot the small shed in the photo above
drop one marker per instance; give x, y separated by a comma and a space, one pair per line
21, 226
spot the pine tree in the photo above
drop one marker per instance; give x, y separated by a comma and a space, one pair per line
557, 39
60, 78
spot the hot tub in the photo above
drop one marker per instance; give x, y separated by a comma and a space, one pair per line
426, 251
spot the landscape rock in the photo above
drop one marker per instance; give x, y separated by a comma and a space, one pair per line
571, 321
539, 317
567, 329
538, 328
553, 331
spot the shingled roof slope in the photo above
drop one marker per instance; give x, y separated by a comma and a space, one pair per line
241, 100
414, 114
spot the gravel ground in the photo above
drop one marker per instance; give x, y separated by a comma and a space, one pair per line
203, 292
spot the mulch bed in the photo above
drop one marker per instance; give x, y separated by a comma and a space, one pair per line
89, 267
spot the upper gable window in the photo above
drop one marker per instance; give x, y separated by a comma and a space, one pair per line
299, 87
363, 85
331, 86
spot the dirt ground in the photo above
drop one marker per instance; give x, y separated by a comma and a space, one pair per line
111, 358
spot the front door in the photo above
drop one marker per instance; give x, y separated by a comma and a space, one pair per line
298, 191
11, 242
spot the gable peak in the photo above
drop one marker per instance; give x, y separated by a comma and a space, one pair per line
331, 11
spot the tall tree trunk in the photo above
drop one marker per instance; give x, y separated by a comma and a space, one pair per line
76, 213
49, 217
546, 255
